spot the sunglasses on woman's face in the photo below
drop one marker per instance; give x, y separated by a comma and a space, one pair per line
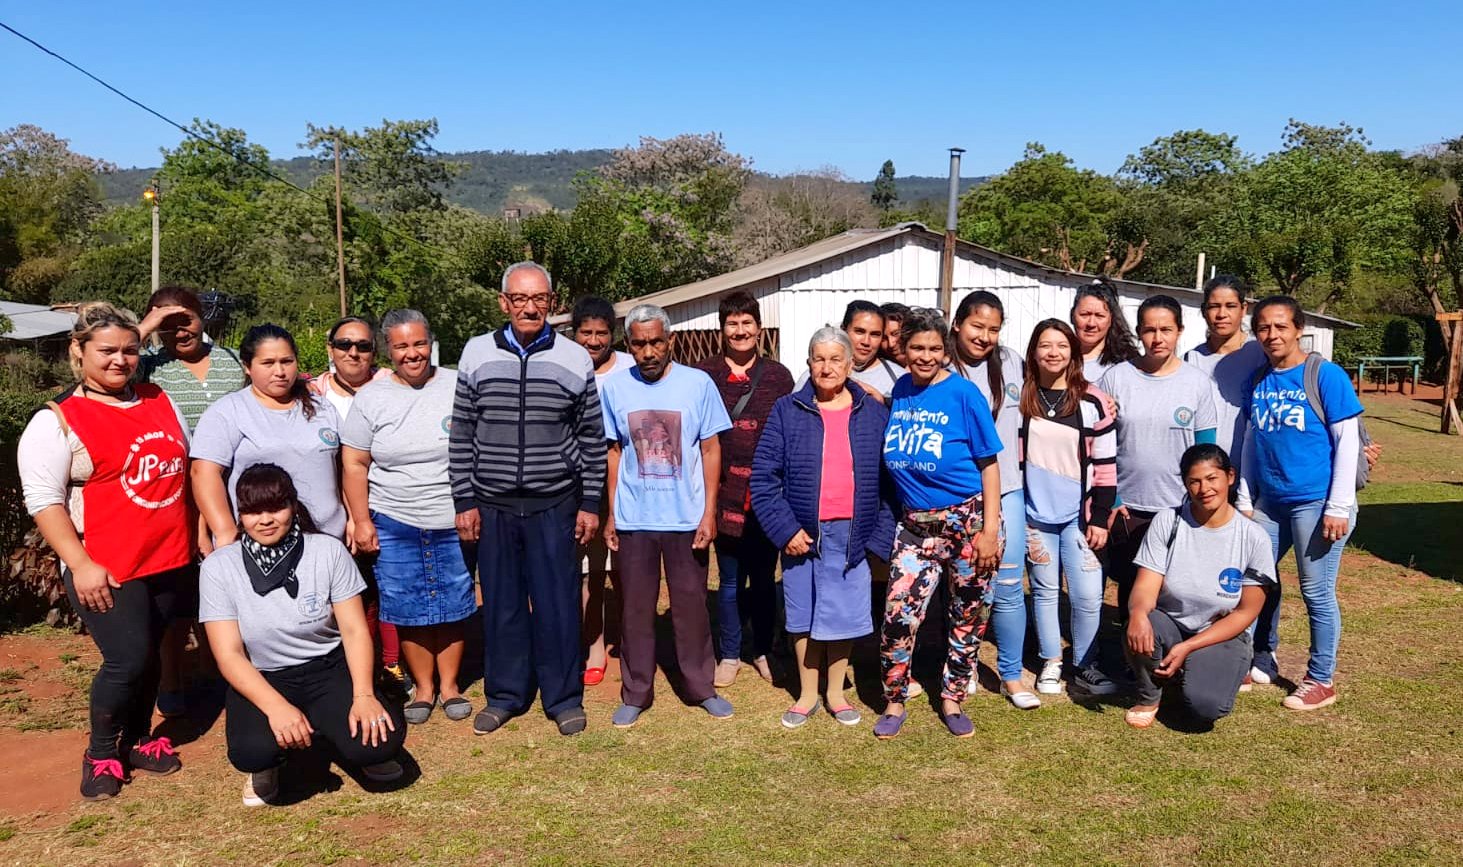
362, 346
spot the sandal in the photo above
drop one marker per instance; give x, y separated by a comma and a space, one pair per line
418, 712
1140, 719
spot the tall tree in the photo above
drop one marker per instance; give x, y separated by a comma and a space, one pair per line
390, 168
886, 192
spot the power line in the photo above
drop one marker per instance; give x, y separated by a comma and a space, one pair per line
263, 170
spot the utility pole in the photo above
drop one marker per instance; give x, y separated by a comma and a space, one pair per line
1199, 273
150, 195
339, 229
947, 259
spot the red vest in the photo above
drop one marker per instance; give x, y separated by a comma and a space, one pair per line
135, 509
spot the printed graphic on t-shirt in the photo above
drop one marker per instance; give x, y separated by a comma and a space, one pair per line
153, 475
447, 424
329, 437
1183, 416
311, 606
1230, 580
914, 434
1274, 407
657, 435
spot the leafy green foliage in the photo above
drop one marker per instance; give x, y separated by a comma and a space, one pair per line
886, 191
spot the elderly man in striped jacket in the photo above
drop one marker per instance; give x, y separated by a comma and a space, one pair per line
527, 464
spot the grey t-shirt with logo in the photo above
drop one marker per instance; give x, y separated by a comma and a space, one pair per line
1158, 417
1008, 422
280, 631
238, 432
406, 430
1234, 379
1205, 569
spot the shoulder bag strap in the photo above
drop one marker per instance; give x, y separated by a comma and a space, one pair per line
758, 368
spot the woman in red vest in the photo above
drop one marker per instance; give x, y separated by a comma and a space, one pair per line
104, 470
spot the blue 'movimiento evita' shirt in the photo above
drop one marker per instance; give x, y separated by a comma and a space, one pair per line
936, 434
1293, 450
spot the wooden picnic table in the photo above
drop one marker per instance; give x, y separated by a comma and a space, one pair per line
1387, 362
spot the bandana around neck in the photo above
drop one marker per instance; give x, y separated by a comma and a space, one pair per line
273, 566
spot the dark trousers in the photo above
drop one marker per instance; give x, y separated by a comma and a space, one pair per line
1122, 546
747, 591
1211, 675
129, 635
530, 581
322, 690
642, 555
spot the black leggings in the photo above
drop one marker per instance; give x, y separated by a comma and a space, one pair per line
322, 690
129, 635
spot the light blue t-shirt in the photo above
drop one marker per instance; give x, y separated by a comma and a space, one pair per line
1233, 375
238, 432
935, 435
660, 426
1293, 450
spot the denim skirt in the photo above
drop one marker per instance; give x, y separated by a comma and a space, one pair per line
821, 596
421, 574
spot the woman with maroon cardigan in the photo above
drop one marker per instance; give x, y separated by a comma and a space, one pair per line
749, 384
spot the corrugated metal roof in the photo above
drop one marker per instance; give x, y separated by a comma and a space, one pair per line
857, 238
30, 321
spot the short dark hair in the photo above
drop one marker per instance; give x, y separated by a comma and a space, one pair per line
182, 296
348, 320
857, 307
736, 303
894, 311
1297, 315
592, 307
1162, 302
268, 488
1224, 281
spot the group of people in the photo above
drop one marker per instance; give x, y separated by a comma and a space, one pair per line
325, 531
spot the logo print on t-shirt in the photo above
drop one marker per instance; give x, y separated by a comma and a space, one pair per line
1230, 579
311, 605
152, 477
447, 424
1013, 394
1183, 416
656, 434
329, 437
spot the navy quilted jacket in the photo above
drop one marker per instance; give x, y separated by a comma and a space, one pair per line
787, 473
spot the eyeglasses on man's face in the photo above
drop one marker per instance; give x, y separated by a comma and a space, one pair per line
518, 302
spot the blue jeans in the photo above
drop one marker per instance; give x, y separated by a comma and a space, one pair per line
1318, 561
1008, 591
1050, 551
747, 590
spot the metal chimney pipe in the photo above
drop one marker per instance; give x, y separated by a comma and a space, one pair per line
947, 258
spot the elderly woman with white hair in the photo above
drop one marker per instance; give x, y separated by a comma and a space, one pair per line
394, 474
819, 490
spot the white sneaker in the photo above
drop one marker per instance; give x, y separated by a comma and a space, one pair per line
1049, 682
1025, 699
1258, 676
260, 788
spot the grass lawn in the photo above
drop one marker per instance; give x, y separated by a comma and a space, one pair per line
1374, 779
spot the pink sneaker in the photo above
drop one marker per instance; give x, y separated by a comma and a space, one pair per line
1311, 695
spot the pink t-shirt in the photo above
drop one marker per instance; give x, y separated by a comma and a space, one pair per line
835, 500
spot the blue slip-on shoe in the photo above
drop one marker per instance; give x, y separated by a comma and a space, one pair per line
888, 725
959, 724
718, 707
626, 715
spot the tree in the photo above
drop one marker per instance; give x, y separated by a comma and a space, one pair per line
885, 193
1320, 209
1046, 209
391, 168
781, 214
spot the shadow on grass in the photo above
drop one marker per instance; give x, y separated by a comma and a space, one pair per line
1415, 535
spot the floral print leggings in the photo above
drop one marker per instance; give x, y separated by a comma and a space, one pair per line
929, 546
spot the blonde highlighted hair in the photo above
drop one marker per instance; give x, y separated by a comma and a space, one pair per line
91, 317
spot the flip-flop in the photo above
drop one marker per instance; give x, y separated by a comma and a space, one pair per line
418, 712
1140, 719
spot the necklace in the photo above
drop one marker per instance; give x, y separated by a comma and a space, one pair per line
1051, 408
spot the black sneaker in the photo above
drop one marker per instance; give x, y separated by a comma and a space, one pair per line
155, 756
100, 778
1091, 681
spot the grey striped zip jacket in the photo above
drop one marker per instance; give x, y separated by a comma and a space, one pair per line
527, 432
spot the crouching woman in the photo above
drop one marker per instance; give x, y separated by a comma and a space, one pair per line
1203, 572
284, 616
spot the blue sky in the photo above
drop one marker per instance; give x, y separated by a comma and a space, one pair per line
791, 85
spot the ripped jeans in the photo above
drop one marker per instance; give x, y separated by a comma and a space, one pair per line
1008, 590
1050, 551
